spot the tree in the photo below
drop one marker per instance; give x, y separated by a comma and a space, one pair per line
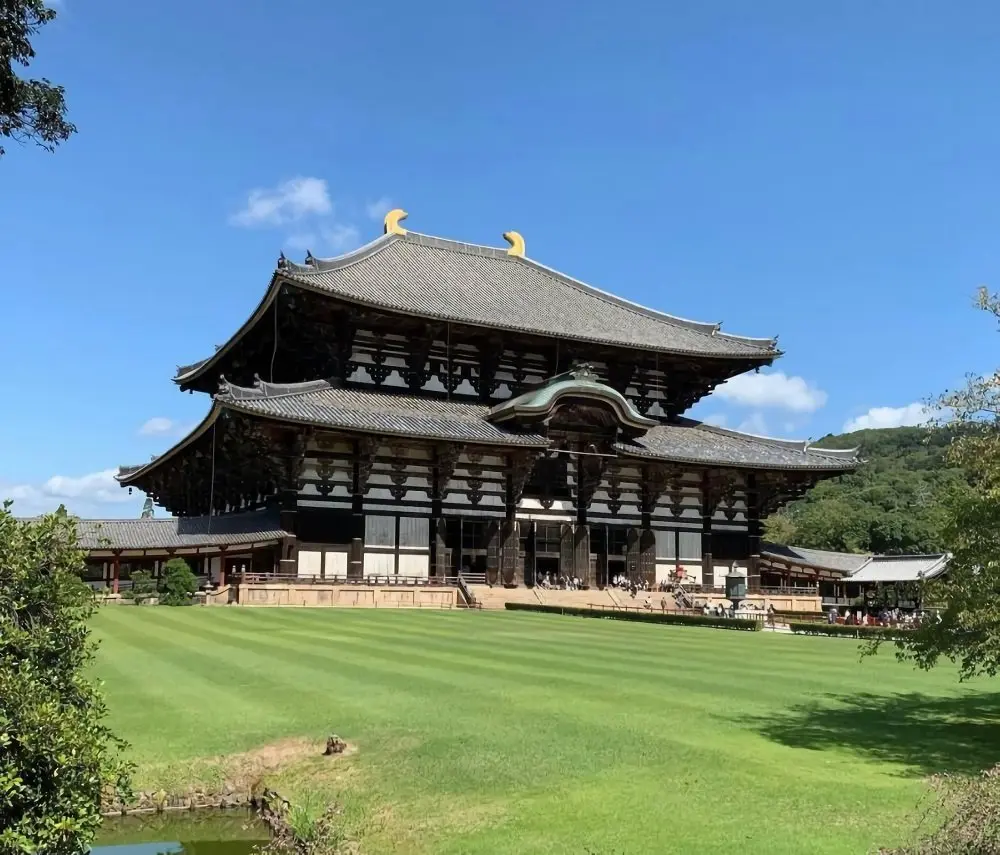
30, 110
57, 757
968, 631
178, 583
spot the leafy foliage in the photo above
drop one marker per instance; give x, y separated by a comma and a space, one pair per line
894, 504
969, 627
56, 755
178, 583
143, 586
30, 110
971, 811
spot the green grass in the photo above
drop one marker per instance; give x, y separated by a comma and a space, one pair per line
524, 733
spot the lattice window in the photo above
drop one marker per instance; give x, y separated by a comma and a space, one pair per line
380, 531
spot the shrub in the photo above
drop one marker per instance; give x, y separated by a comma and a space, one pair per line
178, 583
57, 755
839, 629
143, 586
971, 811
642, 617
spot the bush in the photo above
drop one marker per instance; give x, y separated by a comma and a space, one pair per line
971, 810
839, 629
57, 755
642, 617
178, 583
143, 587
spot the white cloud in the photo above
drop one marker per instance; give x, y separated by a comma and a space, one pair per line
379, 208
754, 423
716, 419
82, 494
890, 417
339, 237
776, 390
288, 202
157, 426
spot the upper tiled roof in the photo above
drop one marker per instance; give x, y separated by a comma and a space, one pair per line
449, 280
250, 527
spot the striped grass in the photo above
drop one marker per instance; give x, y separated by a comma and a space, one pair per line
525, 733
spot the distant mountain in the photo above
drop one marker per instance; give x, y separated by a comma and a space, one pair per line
893, 504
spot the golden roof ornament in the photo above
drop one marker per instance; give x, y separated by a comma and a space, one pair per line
392, 220
516, 244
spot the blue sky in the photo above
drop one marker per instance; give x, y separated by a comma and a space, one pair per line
819, 171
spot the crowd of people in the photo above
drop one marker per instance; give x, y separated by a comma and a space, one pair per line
562, 583
885, 617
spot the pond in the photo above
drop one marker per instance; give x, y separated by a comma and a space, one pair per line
191, 832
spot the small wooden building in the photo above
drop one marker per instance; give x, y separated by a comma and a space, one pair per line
843, 578
421, 406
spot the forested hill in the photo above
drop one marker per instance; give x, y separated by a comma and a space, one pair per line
892, 504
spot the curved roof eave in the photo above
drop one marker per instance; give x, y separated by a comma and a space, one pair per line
129, 479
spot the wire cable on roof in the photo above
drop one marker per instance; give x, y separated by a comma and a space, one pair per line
274, 352
211, 487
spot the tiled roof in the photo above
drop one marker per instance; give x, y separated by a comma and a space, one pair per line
863, 567
901, 568
320, 403
449, 280
249, 527
841, 562
688, 441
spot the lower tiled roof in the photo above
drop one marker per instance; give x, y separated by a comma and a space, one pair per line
375, 412
860, 567
687, 441
245, 528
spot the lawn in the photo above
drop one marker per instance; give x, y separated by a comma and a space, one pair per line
525, 733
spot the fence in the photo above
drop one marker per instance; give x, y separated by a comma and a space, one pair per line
293, 579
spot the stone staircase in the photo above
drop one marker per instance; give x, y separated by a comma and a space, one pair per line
498, 596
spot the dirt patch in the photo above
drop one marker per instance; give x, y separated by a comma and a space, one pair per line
226, 780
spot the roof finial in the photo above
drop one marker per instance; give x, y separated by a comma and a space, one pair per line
282, 261
392, 219
516, 244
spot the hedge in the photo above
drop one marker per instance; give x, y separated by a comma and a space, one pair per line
843, 630
642, 617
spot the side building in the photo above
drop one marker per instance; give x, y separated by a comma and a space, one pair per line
433, 407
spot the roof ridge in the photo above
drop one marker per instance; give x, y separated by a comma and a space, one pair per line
313, 264
265, 389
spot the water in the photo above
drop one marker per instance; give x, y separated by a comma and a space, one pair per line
190, 832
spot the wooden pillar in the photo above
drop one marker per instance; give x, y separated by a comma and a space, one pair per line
511, 566
647, 555
115, 570
439, 531
707, 510
753, 533
581, 554
567, 553
222, 567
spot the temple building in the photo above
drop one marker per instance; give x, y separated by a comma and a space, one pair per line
421, 407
